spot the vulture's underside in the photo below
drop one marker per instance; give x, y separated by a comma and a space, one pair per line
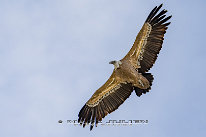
131, 73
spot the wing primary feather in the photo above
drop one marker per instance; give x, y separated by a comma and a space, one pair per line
80, 113
102, 112
163, 21
166, 24
89, 116
83, 114
153, 13
91, 127
86, 117
98, 116
157, 20
160, 14
93, 118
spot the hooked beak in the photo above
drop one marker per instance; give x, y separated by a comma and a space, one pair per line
111, 62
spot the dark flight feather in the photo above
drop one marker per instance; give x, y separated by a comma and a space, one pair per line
107, 105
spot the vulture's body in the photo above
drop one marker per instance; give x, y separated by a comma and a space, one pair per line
130, 73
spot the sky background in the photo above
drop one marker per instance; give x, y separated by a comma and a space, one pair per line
54, 54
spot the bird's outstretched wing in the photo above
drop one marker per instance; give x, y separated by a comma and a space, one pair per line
104, 101
149, 40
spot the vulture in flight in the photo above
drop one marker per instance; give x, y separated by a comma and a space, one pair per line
130, 73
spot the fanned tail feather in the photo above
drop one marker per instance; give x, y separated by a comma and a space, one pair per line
139, 91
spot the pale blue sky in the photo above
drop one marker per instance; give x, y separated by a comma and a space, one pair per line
54, 54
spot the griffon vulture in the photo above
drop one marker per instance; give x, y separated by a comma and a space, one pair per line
130, 73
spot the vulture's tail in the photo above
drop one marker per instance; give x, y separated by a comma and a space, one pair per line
139, 91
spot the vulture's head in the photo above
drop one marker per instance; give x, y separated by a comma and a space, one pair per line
115, 63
